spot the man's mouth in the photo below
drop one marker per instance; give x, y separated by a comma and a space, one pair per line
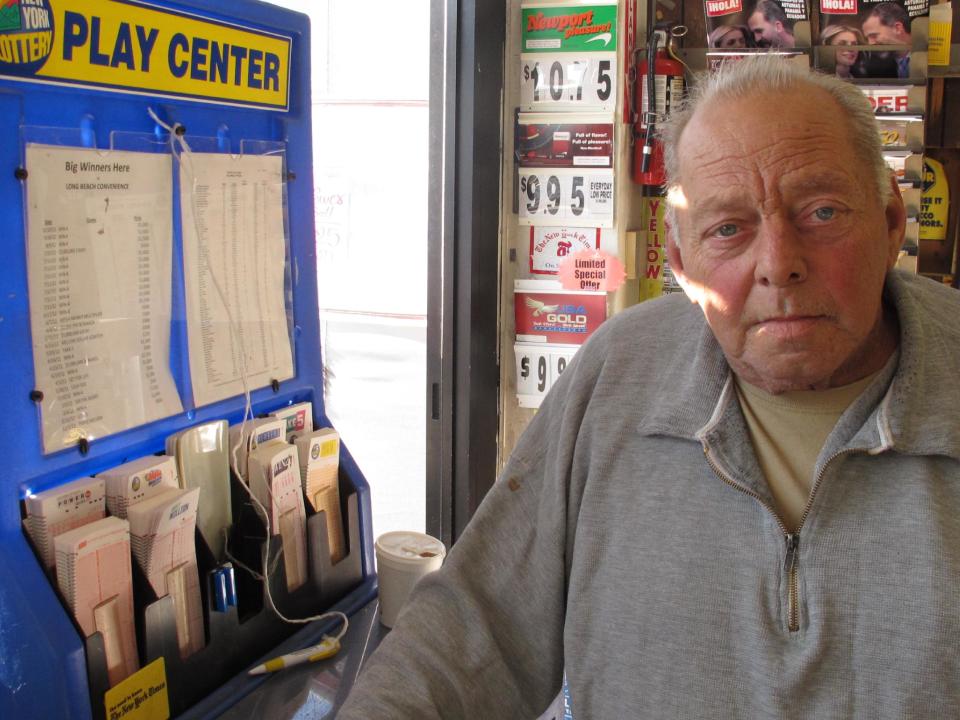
788, 325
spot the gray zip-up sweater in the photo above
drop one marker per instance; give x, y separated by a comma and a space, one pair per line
632, 541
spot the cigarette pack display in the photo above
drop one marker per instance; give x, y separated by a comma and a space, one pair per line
52, 512
138, 480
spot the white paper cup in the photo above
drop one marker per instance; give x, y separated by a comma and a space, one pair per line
403, 557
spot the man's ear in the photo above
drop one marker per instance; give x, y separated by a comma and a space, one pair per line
896, 216
674, 255
675, 258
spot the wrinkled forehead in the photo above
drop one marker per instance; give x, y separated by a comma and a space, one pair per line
753, 123
762, 140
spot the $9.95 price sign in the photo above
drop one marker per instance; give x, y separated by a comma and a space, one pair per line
538, 369
561, 82
571, 197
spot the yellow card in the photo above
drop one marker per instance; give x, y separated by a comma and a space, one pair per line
329, 448
142, 696
941, 23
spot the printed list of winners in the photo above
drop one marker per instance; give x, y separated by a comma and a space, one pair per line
145, 296
215, 330
65, 331
235, 254
74, 343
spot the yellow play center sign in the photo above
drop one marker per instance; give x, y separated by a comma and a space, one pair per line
140, 48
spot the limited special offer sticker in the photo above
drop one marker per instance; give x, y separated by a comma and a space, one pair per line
592, 270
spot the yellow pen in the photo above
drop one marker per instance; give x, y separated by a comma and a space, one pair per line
327, 648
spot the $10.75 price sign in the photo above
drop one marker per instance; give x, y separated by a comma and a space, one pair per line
561, 82
571, 197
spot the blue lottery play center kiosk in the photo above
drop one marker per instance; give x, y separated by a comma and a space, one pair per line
191, 86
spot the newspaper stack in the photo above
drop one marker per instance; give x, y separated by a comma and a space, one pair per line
319, 455
52, 512
94, 575
137, 481
275, 483
162, 539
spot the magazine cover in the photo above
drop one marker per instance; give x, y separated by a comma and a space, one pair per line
740, 24
857, 24
890, 100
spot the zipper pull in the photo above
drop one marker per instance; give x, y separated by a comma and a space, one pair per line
793, 542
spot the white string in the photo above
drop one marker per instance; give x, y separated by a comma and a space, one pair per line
185, 158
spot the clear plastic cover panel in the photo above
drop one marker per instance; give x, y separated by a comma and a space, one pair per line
100, 248
236, 269
99, 261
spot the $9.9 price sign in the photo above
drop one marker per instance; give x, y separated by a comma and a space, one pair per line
561, 82
571, 197
538, 369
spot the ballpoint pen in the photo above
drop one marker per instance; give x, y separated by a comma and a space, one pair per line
327, 648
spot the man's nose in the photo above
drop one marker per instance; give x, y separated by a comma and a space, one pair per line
780, 254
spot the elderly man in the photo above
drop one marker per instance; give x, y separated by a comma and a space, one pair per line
743, 507
887, 23
770, 26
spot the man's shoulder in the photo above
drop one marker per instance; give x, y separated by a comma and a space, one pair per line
648, 332
927, 301
660, 318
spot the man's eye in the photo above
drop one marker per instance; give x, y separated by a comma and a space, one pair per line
825, 213
727, 230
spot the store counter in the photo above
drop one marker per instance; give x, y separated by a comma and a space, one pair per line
315, 690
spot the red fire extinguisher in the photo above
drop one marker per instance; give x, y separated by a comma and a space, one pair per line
654, 96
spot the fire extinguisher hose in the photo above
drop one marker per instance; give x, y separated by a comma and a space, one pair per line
650, 111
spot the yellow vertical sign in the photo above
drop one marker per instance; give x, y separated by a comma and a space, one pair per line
941, 29
653, 251
125, 45
934, 202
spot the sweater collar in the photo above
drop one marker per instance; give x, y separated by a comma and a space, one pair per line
915, 414
919, 410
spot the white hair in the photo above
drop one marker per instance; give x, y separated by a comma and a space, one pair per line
763, 73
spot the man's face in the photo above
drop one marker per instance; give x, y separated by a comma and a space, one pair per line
879, 34
783, 241
764, 31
